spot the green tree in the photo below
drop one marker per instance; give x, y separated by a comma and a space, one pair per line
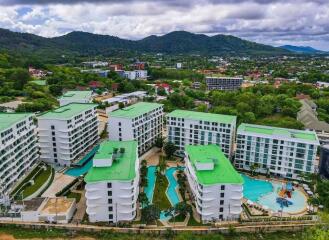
143, 200
159, 141
55, 90
169, 149
150, 214
20, 77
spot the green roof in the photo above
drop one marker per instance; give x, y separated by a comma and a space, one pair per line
278, 132
210, 117
223, 172
135, 110
40, 82
9, 119
122, 169
67, 111
76, 95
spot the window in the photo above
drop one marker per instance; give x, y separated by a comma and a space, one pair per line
222, 195
221, 202
110, 201
110, 209
222, 187
111, 216
221, 209
109, 193
109, 185
52, 127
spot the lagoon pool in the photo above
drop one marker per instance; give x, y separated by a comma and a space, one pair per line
78, 171
265, 193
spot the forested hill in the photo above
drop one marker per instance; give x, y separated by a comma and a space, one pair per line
178, 42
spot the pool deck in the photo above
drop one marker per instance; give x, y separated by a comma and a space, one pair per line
281, 181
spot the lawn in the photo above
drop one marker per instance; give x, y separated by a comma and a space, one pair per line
39, 180
179, 218
77, 196
160, 197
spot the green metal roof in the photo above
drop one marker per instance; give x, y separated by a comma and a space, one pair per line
67, 111
277, 132
9, 119
210, 117
40, 82
76, 95
223, 172
122, 169
135, 110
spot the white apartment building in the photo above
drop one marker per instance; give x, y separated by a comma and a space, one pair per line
192, 128
141, 122
223, 83
278, 151
113, 183
66, 133
18, 150
216, 188
135, 74
75, 97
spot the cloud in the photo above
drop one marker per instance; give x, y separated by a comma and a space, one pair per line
275, 22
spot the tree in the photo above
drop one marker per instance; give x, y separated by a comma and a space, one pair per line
162, 165
143, 200
159, 142
150, 214
253, 168
20, 77
170, 149
121, 105
55, 90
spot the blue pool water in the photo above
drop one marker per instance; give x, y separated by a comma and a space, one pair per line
78, 171
171, 191
151, 178
265, 194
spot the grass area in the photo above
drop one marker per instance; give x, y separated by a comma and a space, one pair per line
179, 218
193, 222
22, 233
160, 198
77, 196
39, 179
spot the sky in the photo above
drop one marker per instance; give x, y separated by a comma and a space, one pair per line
273, 22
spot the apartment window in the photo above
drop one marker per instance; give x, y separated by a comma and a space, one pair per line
221, 209
52, 127
54, 139
110, 209
221, 202
109, 201
110, 216
109, 185
222, 195
54, 144
109, 193
222, 187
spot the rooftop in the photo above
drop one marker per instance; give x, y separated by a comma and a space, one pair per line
278, 132
77, 95
58, 205
9, 119
210, 117
223, 171
135, 110
67, 111
122, 168
40, 82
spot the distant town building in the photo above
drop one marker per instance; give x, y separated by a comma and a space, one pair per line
216, 187
18, 150
324, 161
113, 182
164, 86
322, 84
95, 64
141, 122
37, 73
52, 210
308, 116
116, 67
95, 84
139, 65
196, 85
179, 65
192, 128
223, 83
279, 151
75, 97
67, 133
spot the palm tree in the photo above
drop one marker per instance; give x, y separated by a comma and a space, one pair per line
253, 168
143, 200
162, 165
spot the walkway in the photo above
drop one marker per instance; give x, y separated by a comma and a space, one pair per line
60, 181
81, 208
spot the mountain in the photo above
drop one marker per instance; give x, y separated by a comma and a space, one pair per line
301, 49
178, 42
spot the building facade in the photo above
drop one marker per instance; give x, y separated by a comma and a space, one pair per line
223, 83
66, 133
216, 188
141, 122
18, 150
113, 183
324, 161
192, 128
278, 151
75, 97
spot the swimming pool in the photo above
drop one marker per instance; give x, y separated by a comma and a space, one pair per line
151, 178
265, 193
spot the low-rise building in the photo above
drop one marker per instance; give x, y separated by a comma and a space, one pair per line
223, 83
216, 188
66, 133
75, 97
191, 128
18, 150
142, 122
278, 151
113, 183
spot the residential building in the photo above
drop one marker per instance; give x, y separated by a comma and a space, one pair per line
309, 117
95, 64
192, 128
133, 75
113, 182
142, 122
216, 188
57, 209
279, 151
75, 97
66, 133
18, 150
223, 83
